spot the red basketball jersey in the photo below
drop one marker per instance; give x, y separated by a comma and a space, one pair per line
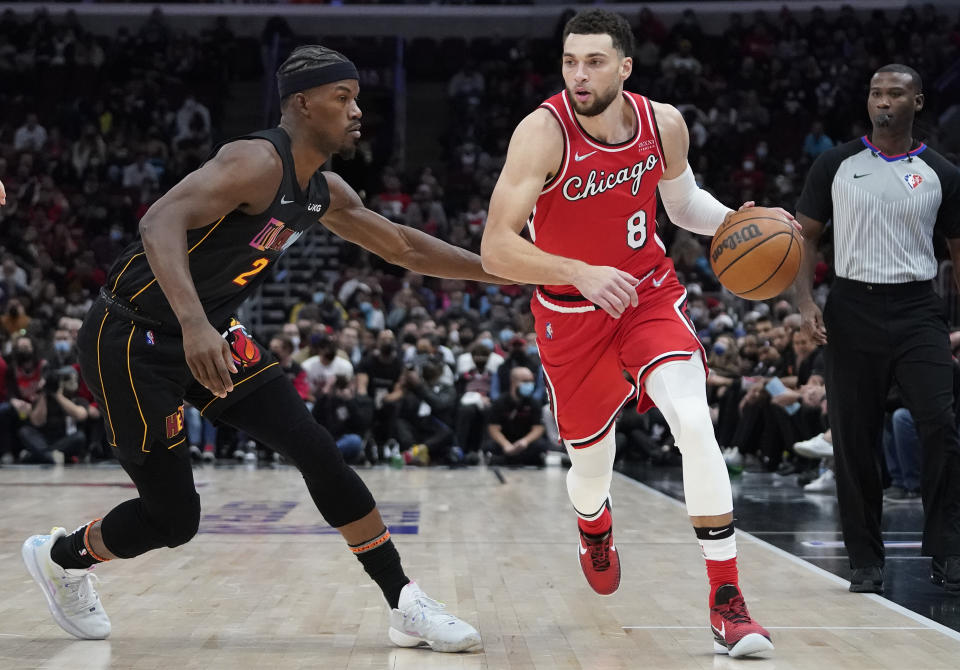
601, 207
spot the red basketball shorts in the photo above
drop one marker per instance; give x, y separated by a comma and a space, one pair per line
585, 352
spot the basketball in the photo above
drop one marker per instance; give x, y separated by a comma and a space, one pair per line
756, 254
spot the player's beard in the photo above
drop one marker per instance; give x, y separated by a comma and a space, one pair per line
347, 151
599, 104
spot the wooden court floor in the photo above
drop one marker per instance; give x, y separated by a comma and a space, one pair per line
267, 585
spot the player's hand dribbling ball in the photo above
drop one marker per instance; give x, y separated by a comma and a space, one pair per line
756, 253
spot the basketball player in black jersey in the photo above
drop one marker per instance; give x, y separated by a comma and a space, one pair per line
163, 331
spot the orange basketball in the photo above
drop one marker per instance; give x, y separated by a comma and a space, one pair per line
756, 253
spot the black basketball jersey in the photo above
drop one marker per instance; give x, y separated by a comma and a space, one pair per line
229, 258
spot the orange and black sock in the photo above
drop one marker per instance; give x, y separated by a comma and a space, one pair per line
382, 562
73, 551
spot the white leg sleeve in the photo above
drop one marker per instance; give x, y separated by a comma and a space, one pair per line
588, 479
679, 390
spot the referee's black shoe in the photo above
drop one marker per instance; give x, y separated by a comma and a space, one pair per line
867, 580
945, 572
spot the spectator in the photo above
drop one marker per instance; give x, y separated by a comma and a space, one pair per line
515, 429
31, 136
424, 426
56, 422
282, 348
377, 377
346, 415
325, 366
138, 172
816, 142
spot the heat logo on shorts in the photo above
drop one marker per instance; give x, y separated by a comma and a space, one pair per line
244, 350
175, 423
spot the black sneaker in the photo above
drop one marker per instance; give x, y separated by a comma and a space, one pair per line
946, 573
867, 580
898, 494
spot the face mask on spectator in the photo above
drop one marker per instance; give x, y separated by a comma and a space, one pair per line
387, 349
295, 339
719, 348
525, 389
747, 165
506, 335
22, 356
319, 296
366, 307
532, 349
62, 346
116, 235
487, 342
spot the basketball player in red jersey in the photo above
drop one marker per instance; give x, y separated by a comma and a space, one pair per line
581, 172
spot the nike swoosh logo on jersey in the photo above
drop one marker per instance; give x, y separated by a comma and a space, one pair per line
577, 157
657, 282
865, 174
284, 201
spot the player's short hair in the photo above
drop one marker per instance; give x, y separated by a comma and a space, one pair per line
904, 69
602, 22
303, 67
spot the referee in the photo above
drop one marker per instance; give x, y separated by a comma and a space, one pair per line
886, 195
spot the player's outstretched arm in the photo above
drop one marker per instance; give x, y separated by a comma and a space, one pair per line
536, 153
243, 175
400, 245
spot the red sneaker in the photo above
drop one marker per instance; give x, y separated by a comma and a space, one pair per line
600, 563
734, 632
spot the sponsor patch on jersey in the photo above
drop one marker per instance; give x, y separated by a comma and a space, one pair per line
913, 180
151, 340
549, 330
244, 350
175, 423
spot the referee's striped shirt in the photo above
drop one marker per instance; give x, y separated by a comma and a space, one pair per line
884, 209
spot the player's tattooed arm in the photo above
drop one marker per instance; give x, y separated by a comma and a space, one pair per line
400, 245
243, 176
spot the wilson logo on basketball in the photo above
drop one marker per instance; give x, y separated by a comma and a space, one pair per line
744, 234
575, 188
244, 350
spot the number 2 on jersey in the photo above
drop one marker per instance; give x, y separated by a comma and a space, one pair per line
243, 278
637, 229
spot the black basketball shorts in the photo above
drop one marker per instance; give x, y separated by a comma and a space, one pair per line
140, 379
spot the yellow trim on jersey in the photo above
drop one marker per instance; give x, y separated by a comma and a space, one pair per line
238, 384
189, 251
143, 443
113, 433
182, 440
124, 270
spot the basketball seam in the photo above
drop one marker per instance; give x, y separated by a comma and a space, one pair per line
782, 261
755, 246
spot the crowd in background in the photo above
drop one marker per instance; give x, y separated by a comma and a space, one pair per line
398, 366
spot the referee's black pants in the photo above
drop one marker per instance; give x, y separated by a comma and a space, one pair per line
875, 333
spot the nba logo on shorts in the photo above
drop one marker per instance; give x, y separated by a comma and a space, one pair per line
549, 330
151, 340
913, 180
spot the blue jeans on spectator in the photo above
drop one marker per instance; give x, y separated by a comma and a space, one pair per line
200, 431
351, 447
901, 447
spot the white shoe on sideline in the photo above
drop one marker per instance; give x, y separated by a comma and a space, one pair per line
70, 594
816, 447
420, 620
825, 483
732, 457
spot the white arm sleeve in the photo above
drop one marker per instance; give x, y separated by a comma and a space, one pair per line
689, 206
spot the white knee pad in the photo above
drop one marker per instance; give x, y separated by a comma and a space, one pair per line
679, 390
588, 479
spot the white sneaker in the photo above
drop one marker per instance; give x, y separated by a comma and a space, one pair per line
732, 457
825, 483
70, 594
815, 447
420, 620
